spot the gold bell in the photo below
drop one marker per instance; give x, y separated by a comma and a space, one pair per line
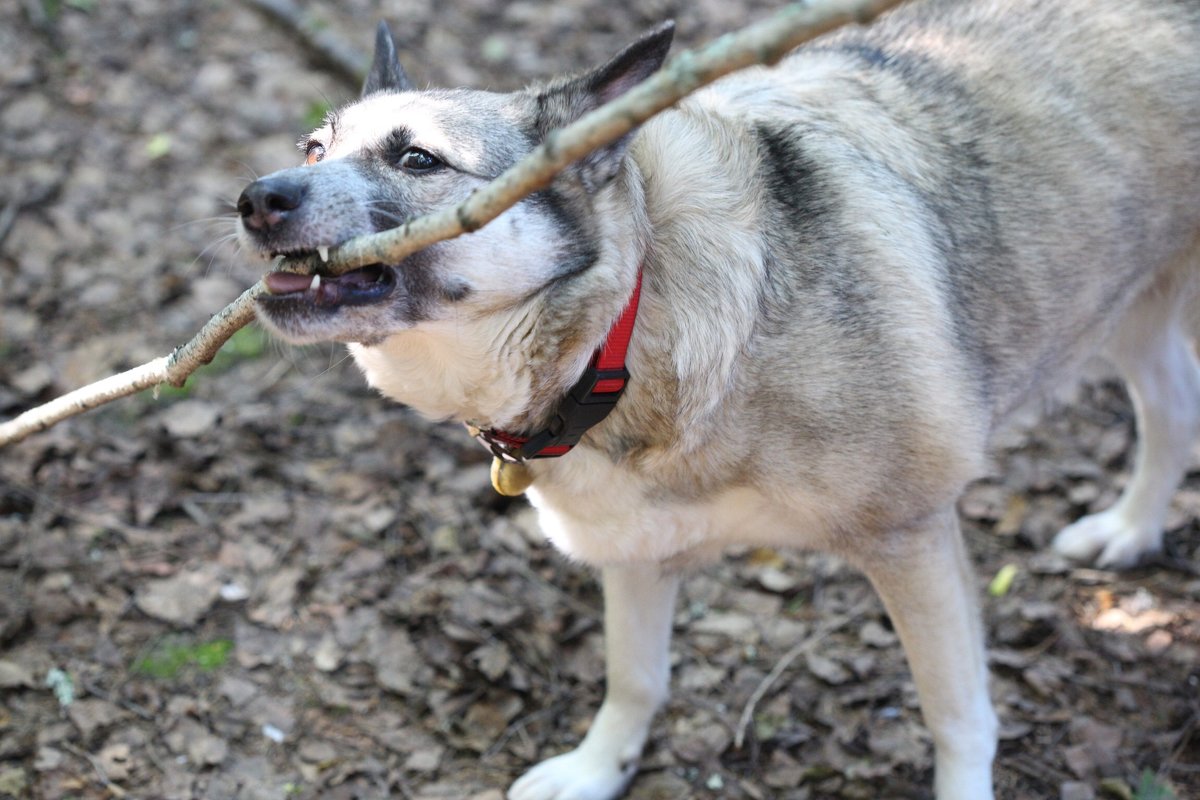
511, 478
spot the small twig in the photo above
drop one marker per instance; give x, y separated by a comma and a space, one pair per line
1158, 687
7, 217
96, 691
518, 726
349, 63
822, 632
1181, 740
109, 522
14, 207
114, 789
581, 608
1041, 770
405, 790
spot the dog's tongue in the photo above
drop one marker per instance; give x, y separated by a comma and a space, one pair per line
286, 282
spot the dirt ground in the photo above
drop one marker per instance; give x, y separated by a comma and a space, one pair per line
273, 584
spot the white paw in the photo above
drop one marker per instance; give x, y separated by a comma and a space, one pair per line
1109, 539
577, 775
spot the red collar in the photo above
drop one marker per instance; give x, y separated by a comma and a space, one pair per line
588, 402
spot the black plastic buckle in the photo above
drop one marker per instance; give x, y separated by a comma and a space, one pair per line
582, 409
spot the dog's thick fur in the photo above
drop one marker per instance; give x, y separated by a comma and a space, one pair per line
856, 264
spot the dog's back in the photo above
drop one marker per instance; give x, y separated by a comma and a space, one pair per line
959, 204
1050, 152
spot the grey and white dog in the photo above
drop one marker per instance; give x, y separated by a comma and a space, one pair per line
855, 266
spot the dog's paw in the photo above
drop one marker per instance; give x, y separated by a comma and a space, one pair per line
1109, 540
577, 775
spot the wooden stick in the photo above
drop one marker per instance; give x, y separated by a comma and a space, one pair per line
762, 43
818, 637
173, 369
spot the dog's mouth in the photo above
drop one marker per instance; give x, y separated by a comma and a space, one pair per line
363, 286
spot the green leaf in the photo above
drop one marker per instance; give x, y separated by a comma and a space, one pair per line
62, 685
1151, 788
1003, 580
158, 145
1115, 788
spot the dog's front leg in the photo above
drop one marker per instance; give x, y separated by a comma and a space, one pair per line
926, 583
639, 602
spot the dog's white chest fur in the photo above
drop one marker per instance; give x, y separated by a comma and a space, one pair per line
603, 513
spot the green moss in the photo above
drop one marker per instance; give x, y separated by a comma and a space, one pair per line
169, 658
314, 115
246, 344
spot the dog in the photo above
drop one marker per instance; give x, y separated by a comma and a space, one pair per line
845, 272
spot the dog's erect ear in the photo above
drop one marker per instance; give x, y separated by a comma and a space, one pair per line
562, 103
386, 73
632, 65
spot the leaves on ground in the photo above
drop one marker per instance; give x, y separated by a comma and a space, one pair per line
275, 584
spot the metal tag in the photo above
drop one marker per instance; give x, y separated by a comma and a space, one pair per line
510, 478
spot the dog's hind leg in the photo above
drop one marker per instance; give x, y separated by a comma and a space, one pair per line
639, 602
928, 588
1154, 354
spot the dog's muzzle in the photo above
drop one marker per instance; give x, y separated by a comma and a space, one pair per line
266, 207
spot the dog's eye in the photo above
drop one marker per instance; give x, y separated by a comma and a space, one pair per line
414, 159
314, 151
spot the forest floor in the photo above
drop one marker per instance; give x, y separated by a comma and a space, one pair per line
274, 584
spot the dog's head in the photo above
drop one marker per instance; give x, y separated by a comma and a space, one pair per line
399, 153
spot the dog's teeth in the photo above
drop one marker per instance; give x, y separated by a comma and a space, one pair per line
323, 252
316, 283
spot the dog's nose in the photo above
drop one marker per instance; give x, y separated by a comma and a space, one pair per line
267, 202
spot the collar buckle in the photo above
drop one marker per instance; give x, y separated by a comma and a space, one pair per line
590, 400
585, 405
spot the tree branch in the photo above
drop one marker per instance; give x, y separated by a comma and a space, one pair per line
762, 43
347, 63
173, 369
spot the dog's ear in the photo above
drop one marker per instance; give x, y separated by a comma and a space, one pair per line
563, 102
632, 65
386, 73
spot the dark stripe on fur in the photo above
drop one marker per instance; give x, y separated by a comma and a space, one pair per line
804, 234
962, 221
